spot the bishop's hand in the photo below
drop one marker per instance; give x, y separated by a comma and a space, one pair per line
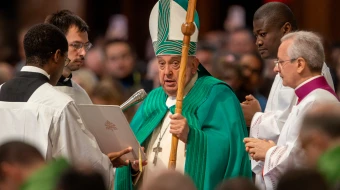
179, 127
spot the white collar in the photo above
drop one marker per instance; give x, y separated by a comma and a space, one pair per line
171, 100
35, 70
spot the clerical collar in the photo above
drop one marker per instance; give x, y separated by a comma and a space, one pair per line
35, 70
317, 82
65, 81
171, 100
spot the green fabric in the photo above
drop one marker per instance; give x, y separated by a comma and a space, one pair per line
47, 177
164, 46
215, 149
329, 165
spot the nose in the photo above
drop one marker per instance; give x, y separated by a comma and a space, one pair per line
247, 72
259, 42
276, 68
167, 69
82, 51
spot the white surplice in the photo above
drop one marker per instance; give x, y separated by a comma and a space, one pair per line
268, 124
50, 121
76, 92
285, 154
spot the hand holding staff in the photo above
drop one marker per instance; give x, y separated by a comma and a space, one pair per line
188, 28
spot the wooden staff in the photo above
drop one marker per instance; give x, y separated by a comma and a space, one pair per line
188, 28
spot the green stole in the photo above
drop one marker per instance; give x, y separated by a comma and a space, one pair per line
152, 113
328, 165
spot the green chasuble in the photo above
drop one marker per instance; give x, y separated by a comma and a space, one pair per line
215, 149
329, 165
47, 177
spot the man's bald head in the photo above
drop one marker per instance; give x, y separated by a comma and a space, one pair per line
18, 161
276, 14
320, 130
324, 118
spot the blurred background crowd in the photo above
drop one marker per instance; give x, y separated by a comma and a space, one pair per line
122, 60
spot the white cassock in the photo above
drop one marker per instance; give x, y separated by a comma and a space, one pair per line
50, 121
76, 92
286, 153
268, 124
151, 170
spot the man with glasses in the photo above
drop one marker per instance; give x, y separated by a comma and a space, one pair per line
271, 22
300, 61
252, 66
76, 32
33, 111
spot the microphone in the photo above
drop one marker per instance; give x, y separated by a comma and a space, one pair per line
134, 99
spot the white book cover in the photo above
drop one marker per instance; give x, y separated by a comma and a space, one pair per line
112, 131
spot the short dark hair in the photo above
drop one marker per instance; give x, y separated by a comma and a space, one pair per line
64, 19
74, 178
297, 179
276, 14
116, 41
41, 41
18, 152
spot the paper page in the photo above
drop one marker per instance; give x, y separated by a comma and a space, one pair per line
112, 131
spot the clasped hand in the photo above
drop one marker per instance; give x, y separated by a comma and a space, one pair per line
258, 148
249, 108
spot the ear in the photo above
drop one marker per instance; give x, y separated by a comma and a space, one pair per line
194, 65
286, 28
301, 65
57, 56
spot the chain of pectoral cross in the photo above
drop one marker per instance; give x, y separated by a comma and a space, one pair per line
158, 148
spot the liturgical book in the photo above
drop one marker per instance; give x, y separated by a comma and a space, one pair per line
112, 131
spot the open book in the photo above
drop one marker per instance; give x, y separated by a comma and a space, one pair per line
111, 129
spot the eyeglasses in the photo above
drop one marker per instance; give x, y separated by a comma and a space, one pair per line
78, 45
280, 62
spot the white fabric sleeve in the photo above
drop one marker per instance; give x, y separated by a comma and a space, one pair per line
326, 73
278, 160
72, 140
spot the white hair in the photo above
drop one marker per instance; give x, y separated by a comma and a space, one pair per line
307, 45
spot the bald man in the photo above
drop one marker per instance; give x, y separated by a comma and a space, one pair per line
320, 140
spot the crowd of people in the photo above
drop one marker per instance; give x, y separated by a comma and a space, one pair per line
260, 108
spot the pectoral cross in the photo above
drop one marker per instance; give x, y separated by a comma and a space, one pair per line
156, 150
